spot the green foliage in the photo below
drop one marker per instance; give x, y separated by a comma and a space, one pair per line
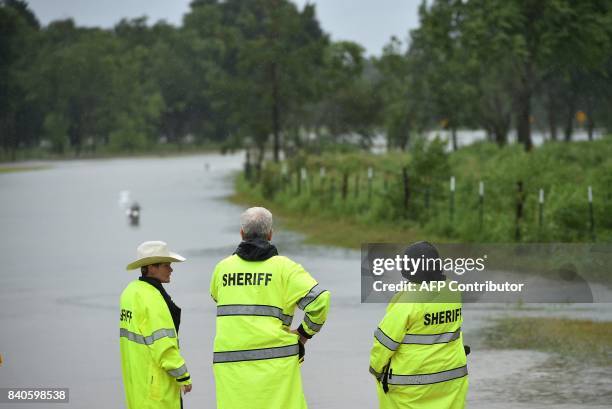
495, 64
18, 37
348, 108
223, 73
56, 129
574, 340
129, 135
263, 73
564, 172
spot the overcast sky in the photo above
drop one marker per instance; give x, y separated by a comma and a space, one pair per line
368, 22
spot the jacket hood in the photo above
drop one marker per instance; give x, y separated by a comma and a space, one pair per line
256, 250
424, 250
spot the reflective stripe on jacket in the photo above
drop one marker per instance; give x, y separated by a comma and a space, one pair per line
418, 353
153, 368
253, 350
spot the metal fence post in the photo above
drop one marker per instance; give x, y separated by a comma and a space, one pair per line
452, 199
480, 205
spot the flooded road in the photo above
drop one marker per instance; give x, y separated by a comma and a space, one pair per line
65, 243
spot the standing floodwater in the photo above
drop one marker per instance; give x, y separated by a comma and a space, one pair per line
64, 246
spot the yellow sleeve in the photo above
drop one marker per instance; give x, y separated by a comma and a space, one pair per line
213, 284
163, 341
388, 336
310, 297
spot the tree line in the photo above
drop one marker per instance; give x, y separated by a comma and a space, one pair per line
498, 65
263, 73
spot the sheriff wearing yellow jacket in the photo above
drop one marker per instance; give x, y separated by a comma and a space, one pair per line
418, 357
256, 354
154, 371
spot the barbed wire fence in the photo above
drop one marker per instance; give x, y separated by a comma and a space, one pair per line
418, 199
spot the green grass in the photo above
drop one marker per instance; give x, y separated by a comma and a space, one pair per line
14, 169
582, 340
563, 170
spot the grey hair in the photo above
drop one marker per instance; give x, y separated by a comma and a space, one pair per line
256, 223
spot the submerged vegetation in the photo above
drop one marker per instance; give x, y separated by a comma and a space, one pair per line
14, 169
579, 340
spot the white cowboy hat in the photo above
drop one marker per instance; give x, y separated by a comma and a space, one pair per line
153, 252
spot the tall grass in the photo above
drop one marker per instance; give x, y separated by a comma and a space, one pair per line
583, 340
412, 190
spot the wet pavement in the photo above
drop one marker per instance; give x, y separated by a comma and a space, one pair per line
65, 244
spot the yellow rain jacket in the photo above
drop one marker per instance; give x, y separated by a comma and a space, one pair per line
153, 368
255, 360
418, 354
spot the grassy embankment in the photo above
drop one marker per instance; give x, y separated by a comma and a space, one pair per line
408, 197
580, 340
13, 169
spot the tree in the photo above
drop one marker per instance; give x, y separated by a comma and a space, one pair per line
536, 39
18, 35
200, 96
437, 49
348, 105
273, 52
400, 112
55, 128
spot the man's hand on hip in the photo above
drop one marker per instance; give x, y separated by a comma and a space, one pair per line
303, 339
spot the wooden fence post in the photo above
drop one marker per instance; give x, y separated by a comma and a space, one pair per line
520, 201
345, 177
247, 166
406, 188
332, 189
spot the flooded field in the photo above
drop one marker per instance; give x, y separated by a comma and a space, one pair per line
66, 241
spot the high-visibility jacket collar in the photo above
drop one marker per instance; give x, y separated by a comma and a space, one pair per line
174, 309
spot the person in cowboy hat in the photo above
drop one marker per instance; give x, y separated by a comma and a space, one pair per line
154, 372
